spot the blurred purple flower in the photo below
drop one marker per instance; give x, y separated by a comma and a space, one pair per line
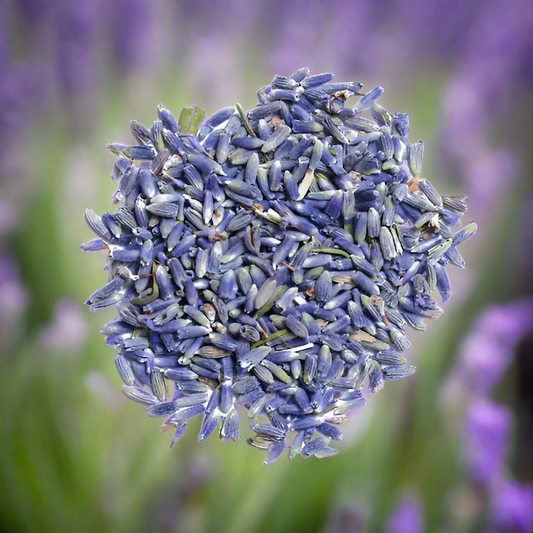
127, 22
76, 40
494, 47
203, 67
498, 37
21, 93
304, 32
226, 27
18, 97
4, 46
19, 103
33, 11
469, 152
511, 509
346, 519
429, 26
220, 17
484, 356
7, 217
13, 299
486, 436
408, 517
299, 38
68, 329
525, 241
486, 352
509, 323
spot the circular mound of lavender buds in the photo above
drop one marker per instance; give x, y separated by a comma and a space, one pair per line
272, 259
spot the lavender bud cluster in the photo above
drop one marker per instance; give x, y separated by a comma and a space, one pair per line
273, 260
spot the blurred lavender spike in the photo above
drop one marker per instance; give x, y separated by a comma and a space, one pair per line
486, 435
408, 516
512, 508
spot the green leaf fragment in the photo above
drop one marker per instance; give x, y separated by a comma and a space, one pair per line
244, 119
333, 251
279, 333
190, 119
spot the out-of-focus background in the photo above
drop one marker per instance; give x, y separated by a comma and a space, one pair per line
446, 450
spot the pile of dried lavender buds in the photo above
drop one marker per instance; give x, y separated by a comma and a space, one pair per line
272, 259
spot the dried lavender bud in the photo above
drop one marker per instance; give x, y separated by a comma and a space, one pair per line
272, 259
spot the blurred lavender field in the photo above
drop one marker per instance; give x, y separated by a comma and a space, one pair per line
446, 450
